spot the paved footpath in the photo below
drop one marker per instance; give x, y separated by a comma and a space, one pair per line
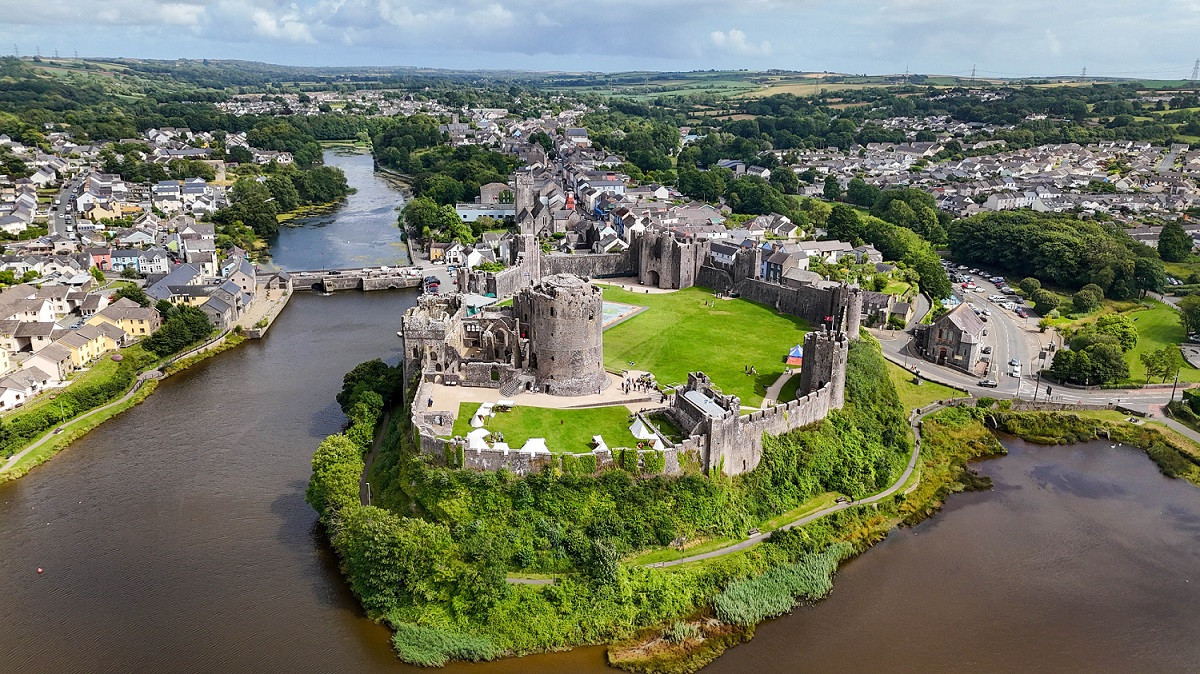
914, 421
51, 434
773, 392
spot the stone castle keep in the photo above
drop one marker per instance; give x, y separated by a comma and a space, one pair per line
551, 341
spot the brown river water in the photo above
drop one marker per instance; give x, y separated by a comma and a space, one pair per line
176, 538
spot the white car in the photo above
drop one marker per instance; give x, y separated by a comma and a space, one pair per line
1016, 371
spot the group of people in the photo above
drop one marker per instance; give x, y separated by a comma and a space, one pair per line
641, 384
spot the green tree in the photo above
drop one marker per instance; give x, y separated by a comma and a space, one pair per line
1044, 301
421, 216
843, 223
1108, 364
1119, 326
284, 192
1153, 363
1174, 244
1170, 361
1087, 299
133, 292
1029, 285
832, 190
784, 180
1189, 313
1149, 274
858, 192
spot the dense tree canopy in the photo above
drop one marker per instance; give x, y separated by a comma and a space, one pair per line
1060, 249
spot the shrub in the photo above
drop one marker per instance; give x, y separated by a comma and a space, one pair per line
587, 464
655, 462
750, 601
985, 402
629, 460
681, 631
432, 647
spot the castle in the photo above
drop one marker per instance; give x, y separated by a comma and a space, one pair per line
550, 340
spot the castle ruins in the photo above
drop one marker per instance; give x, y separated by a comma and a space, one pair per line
550, 341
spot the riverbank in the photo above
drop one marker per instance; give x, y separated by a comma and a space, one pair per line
557, 524
1175, 455
58, 438
949, 439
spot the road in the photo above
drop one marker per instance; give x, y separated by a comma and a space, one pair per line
1011, 337
63, 206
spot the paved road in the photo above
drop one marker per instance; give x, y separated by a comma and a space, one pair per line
1011, 337
63, 205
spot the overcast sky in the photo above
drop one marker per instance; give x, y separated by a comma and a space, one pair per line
1152, 38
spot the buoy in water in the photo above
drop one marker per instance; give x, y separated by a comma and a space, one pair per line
39, 569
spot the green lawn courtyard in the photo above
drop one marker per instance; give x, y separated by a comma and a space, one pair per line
565, 430
679, 333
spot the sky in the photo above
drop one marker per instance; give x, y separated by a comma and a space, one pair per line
1006, 38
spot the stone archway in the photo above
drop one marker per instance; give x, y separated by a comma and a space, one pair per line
941, 359
652, 278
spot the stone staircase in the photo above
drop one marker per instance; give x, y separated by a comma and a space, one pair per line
515, 384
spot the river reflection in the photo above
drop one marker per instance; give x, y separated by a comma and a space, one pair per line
362, 232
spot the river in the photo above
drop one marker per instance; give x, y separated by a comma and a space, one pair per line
175, 537
362, 232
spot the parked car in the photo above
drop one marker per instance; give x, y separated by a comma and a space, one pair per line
989, 383
986, 349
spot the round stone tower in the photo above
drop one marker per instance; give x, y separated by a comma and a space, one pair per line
563, 319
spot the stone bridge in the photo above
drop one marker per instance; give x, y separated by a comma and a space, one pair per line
362, 278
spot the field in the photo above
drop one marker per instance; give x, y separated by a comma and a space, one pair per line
680, 334
564, 430
1158, 326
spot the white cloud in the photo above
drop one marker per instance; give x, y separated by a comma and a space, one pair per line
1052, 43
734, 42
936, 36
286, 27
